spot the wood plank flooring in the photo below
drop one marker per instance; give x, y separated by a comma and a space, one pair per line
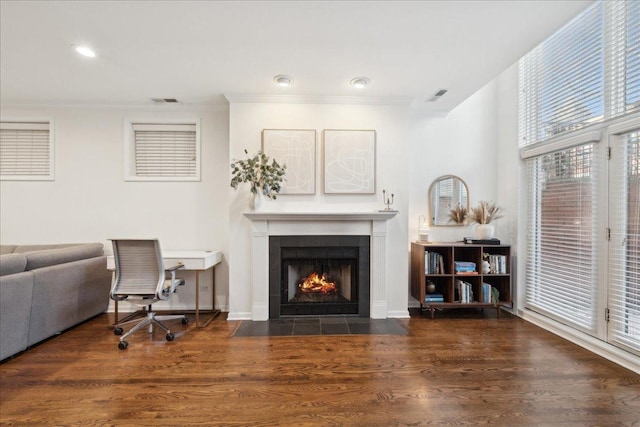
468, 370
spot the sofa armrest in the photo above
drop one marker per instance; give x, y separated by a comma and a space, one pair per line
12, 263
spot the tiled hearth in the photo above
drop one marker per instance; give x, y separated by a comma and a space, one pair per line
320, 326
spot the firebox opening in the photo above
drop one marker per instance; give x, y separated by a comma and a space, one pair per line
319, 281
318, 275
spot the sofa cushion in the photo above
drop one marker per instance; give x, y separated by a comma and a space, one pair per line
43, 258
12, 263
7, 249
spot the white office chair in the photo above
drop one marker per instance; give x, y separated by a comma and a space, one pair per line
140, 279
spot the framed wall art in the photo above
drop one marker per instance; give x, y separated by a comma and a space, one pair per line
349, 161
296, 148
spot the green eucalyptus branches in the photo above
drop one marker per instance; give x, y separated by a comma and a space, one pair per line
262, 175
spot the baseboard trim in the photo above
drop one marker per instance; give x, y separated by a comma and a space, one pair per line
601, 348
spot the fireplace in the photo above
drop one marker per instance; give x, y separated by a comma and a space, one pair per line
319, 276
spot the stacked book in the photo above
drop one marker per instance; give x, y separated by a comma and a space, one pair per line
498, 264
434, 298
465, 292
465, 267
433, 263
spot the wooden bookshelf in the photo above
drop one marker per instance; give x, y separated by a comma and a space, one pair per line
439, 269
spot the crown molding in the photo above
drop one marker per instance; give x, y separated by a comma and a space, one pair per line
128, 107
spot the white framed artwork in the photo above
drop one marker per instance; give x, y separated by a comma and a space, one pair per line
295, 148
349, 161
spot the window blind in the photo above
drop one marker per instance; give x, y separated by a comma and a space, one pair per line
624, 250
561, 80
562, 255
25, 150
623, 57
165, 150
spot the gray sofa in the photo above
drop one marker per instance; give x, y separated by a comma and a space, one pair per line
45, 289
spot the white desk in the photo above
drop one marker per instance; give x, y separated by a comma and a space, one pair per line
198, 261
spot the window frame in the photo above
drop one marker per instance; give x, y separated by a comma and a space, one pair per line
130, 146
35, 120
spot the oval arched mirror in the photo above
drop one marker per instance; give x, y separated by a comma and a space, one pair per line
445, 194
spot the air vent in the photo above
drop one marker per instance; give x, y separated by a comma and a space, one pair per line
437, 95
164, 100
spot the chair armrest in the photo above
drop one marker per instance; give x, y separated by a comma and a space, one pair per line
174, 267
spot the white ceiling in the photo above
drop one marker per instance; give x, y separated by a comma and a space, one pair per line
199, 51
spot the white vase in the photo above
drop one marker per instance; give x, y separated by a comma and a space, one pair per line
485, 231
258, 201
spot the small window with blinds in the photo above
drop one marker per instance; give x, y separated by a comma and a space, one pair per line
562, 256
163, 152
624, 252
26, 151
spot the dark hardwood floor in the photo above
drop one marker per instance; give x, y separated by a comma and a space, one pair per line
455, 370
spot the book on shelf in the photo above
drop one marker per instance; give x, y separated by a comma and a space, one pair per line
486, 293
434, 298
465, 267
469, 273
433, 263
498, 264
464, 291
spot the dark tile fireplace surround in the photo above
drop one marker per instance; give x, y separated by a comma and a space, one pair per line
319, 276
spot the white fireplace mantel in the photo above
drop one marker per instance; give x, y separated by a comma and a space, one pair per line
265, 224
321, 216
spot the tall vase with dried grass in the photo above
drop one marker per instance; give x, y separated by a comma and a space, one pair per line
484, 214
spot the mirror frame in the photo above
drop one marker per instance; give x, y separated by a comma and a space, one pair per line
430, 203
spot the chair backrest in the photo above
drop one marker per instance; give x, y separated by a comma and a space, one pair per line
139, 269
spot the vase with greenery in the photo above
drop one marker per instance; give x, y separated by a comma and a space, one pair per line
484, 214
264, 175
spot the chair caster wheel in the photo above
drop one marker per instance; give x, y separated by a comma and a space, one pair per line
118, 331
122, 345
185, 321
170, 336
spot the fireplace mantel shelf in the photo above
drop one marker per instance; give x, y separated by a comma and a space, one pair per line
321, 216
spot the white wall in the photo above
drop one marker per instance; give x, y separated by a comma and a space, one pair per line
392, 131
89, 201
464, 143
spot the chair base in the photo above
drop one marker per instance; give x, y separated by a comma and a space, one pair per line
149, 321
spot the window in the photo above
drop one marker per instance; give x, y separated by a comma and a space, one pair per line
26, 151
624, 268
163, 151
587, 72
583, 241
562, 261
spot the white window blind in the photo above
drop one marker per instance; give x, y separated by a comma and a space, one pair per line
623, 57
561, 80
25, 151
169, 151
624, 250
562, 255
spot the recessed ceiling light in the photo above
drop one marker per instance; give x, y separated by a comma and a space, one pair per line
360, 82
283, 81
85, 51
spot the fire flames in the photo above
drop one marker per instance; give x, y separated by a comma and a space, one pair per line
314, 283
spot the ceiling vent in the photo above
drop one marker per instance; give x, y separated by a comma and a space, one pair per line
164, 100
437, 95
